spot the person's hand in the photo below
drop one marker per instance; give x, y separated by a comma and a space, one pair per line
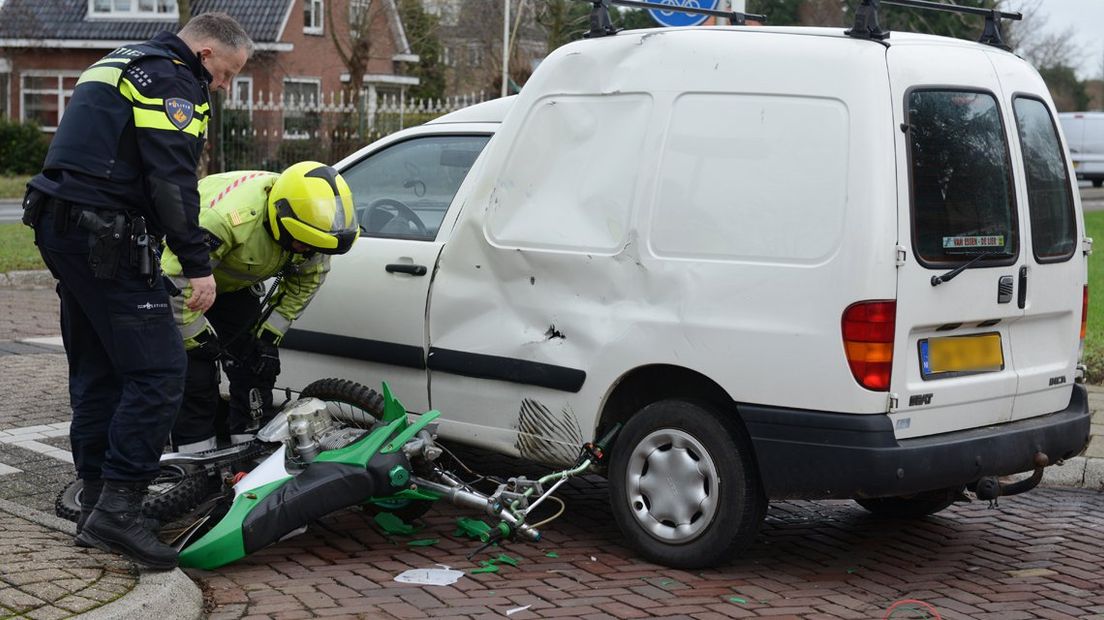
203, 293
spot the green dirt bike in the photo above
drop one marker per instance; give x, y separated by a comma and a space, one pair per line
340, 444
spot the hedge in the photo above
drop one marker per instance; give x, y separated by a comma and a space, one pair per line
22, 147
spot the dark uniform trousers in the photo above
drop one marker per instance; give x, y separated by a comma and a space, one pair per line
233, 315
126, 357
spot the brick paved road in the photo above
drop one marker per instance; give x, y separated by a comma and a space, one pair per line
1036, 556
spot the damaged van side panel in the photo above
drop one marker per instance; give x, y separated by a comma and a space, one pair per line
625, 226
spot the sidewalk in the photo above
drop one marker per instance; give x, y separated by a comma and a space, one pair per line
44, 576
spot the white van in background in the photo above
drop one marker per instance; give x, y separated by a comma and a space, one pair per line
1085, 135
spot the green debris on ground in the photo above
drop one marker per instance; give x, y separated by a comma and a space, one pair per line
492, 565
551, 554
471, 528
736, 599
392, 524
423, 542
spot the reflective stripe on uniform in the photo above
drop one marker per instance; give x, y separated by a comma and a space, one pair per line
156, 119
278, 323
107, 75
126, 87
190, 322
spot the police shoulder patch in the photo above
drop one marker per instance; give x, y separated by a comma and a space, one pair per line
180, 112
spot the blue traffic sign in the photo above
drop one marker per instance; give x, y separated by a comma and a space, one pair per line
678, 18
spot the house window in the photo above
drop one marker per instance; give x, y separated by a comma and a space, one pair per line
114, 9
45, 95
302, 116
241, 96
358, 10
312, 17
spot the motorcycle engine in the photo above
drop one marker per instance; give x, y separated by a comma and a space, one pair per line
311, 430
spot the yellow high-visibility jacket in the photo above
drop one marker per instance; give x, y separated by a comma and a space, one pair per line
233, 212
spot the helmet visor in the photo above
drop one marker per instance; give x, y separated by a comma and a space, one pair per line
326, 225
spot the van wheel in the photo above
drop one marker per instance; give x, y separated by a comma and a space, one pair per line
683, 485
909, 506
1098, 182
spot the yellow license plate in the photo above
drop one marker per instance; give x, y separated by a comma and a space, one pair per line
961, 354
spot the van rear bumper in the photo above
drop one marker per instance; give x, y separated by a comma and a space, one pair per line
814, 454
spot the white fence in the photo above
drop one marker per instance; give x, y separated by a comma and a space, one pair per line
272, 132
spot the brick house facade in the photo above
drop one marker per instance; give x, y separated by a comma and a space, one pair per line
45, 44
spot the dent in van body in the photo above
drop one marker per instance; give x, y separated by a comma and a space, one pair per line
546, 437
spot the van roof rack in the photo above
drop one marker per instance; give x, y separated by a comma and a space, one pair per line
601, 26
866, 19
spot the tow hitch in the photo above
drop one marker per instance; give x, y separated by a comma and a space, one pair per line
991, 488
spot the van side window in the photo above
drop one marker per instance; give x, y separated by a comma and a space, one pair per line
404, 191
962, 198
1049, 196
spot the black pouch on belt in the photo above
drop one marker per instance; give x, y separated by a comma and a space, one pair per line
34, 202
108, 239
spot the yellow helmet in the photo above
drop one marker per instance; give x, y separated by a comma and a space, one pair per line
311, 203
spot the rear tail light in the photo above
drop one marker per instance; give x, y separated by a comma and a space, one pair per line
1084, 310
868, 328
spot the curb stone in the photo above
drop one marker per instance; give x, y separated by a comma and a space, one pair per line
158, 594
40, 278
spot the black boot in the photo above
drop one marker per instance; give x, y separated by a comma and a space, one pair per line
90, 494
117, 525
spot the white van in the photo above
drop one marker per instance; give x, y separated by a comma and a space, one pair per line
1085, 134
792, 263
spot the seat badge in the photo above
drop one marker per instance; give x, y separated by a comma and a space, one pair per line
179, 111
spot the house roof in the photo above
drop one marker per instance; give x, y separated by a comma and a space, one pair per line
66, 20
64, 24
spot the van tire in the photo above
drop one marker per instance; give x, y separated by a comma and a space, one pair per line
909, 507
690, 445
1098, 182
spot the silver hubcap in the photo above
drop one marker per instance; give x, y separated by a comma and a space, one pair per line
671, 482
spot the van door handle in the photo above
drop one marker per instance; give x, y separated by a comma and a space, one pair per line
414, 270
1021, 298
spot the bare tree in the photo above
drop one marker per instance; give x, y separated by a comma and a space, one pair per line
183, 11
1031, 41
354, 45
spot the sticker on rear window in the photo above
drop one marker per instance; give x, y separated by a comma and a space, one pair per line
970, 242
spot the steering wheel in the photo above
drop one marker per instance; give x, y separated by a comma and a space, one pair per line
400, 210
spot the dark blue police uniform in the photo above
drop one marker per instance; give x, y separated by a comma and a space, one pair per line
121, 172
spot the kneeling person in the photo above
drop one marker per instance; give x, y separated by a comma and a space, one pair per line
258, 225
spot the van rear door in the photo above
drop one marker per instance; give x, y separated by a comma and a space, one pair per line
960, 243
1050, 283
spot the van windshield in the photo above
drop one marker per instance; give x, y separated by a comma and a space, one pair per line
962, 198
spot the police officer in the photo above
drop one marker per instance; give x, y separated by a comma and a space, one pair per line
259, 225
120, 173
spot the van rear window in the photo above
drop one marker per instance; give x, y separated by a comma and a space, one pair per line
962, 198
1049, 196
